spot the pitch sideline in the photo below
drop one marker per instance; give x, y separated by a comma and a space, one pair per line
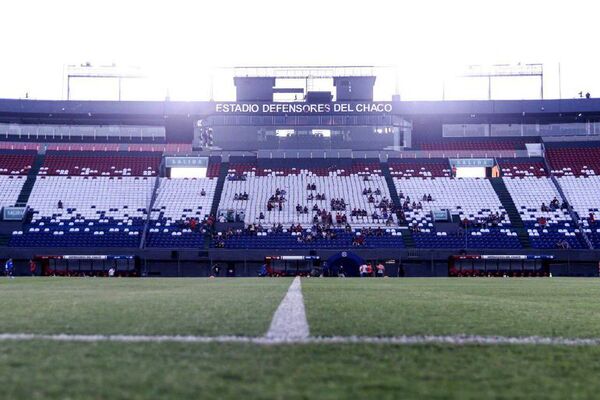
290, 326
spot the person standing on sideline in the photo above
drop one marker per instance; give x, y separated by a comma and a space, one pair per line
341, 272
9, 268
369, 270
362, 270
32, 267
380, 270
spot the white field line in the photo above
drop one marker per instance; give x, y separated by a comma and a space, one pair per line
454, 340
289, 321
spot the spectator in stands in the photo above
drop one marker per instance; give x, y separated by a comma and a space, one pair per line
261, 215
564, 205
542, 222
377, 192
544, 208
563, 244
60, 205
429, 198
592, 218
202, 192
554, 204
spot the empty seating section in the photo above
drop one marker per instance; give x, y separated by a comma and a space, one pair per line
546, 229
214, 167
177, 202
583, 193
124, 147
100, 164
521, 168
95, 212
345, 183
574, 161
474, 144
10, 187
470, 198
417, 168
388, 238
16, 163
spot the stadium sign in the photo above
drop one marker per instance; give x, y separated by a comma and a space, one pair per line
303, 108
186, 162
13, 213
472, 162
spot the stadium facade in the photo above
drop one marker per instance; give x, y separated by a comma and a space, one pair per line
431, 188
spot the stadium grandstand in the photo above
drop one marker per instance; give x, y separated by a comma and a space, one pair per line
333, 178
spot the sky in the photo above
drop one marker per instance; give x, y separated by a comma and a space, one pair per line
181, 47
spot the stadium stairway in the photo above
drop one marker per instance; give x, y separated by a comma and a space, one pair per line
511, 210
385, 168
408, 239
149, 210
4, 239
217, 199
219, 189
30, 181
407, 236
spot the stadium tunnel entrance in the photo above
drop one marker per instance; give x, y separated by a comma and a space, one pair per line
346, 259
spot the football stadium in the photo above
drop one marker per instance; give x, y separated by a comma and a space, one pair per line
304, 238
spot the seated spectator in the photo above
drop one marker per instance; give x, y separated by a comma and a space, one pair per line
542, 221
202, 192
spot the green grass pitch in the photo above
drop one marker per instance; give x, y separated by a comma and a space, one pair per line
370, 307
